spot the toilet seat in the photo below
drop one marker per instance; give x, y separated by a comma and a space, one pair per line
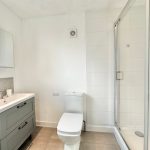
70, 124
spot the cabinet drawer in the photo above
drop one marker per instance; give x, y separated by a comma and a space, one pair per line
11, 118
16, 138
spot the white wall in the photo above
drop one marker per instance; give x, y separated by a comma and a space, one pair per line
100, 104
12, 24
50, 62
47, 60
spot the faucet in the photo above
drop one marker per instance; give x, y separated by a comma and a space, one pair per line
2, 94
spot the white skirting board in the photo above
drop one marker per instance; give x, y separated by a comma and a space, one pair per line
46, 124
94, 128
107, 129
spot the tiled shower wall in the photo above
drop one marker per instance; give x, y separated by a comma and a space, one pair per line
6, 83
132, 63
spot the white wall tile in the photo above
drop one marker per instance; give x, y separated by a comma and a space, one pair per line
98, 65
99, 88
97, 52
97, 79
99, 118
101, 104
132, 63
98, 91
97, 38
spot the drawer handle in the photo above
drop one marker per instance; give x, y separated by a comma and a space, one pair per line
20, 106
21, 127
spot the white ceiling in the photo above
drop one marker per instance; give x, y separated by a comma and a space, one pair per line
33, 8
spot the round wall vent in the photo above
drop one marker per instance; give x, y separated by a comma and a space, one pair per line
73, 33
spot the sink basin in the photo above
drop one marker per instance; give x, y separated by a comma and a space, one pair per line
13, 100
2, 102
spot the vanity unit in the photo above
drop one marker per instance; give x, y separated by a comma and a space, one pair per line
17, 120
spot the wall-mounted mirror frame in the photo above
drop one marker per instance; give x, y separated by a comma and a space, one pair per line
6, 49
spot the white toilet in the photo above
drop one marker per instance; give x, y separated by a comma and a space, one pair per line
70, 124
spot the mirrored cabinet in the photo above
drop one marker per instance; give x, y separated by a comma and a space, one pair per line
6, 49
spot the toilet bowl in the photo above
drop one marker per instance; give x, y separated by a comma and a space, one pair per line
69, 130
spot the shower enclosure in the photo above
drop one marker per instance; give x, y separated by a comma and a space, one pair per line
131, 77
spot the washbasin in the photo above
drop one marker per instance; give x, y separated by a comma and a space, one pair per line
14, 99
2, 102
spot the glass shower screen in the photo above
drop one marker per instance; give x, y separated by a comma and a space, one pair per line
130, 74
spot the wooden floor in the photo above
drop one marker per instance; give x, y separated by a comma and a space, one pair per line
47, 139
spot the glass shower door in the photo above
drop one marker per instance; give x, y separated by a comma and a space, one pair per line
131, 74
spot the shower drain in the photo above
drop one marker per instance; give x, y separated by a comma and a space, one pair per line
138, 133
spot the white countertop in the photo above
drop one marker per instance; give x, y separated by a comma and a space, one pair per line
14, 100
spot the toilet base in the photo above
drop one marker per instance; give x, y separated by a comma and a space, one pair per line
72, 147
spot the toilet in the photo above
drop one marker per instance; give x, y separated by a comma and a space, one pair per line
70, 124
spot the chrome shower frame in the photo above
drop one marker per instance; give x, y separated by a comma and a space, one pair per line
147, 72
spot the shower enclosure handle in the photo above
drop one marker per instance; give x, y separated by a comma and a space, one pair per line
119, 75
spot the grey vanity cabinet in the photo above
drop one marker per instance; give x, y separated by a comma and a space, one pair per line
19, 135
16, 125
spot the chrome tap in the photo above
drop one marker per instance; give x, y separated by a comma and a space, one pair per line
2, 93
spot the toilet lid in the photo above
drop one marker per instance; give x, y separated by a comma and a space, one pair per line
70, 122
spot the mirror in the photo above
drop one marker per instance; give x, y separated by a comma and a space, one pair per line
6, 50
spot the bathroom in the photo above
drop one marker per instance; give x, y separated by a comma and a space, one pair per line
67, 64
